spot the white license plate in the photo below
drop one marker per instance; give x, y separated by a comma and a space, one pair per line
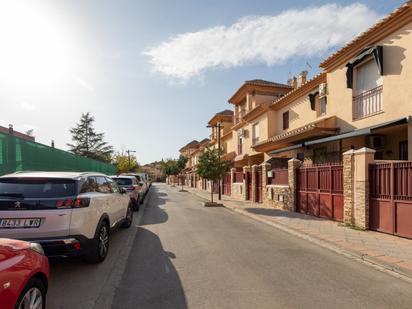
20, 223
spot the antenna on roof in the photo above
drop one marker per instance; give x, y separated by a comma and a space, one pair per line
308, 64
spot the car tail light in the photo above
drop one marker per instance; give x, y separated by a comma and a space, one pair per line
73, 203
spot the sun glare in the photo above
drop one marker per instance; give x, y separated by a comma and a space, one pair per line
34, 46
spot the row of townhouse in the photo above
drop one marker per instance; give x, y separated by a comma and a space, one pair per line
334, 146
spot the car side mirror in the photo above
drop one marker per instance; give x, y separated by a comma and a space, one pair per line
122, 190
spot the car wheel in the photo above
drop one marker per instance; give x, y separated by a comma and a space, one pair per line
129, 217
100, 247
33, 295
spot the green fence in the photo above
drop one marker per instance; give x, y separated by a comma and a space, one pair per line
17, 154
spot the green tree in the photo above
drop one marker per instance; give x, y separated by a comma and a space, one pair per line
121, 160
181, 164
212, 167
169, 168
87, 142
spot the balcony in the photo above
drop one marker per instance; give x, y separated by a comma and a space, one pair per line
368, 103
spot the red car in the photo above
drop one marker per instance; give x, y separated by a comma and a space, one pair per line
24, 275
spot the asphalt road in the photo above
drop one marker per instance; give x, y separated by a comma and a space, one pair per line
184, 255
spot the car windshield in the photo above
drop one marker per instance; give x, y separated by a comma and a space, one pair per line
123, 181
37, 187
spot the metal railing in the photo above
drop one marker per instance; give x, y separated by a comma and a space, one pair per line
368, 103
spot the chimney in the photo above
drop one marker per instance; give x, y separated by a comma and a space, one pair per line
52, 143
11, 131
302, 78
294, 82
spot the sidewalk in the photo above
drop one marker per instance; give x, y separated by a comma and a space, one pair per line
387, 251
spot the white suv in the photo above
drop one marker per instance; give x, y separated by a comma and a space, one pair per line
69, 214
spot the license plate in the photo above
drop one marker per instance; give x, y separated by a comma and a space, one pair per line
20, 223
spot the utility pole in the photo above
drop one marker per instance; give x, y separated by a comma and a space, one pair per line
128, 156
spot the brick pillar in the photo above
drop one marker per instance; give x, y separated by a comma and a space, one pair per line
254, 172
348, 183
363, 157
293, 165
265, 167
246, 169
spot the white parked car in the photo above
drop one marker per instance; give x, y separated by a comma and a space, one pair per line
133, 189
69, 214
141, 180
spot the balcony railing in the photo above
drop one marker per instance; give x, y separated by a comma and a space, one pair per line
368, 103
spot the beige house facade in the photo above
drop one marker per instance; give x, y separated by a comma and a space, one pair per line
337, 146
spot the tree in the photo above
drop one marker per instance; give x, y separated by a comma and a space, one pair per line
121, 160
169, 168
211, 166
181, 164
87, 142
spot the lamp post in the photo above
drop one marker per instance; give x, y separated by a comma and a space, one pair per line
128, 156
219, 128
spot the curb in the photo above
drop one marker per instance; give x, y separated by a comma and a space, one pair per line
375, 262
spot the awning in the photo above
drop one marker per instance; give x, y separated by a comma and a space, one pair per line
358, 132
285, 149
376, 51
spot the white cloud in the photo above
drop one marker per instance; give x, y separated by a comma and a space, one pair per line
266, 40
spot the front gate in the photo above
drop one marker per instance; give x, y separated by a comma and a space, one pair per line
320, 191
258, 185
248, 179
227, 184
390, 198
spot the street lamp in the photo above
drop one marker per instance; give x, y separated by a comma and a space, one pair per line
219, 127
128, 156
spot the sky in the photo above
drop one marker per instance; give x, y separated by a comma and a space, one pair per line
152, 73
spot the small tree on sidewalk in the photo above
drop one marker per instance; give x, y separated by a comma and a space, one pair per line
181, 164
212, 167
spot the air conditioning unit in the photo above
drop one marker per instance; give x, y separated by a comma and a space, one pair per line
241, 132
323, 90
376, 141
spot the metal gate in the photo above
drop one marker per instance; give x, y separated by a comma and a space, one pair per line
248, 179
390, 195
258, 185
227, 184
320, 191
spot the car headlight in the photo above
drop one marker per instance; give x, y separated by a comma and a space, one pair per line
36, 247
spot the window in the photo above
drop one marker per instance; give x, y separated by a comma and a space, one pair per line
255, 133
103, 185
320, 106
37, 187
286, 120
90, 185
367, 99
114, 187
367, 77
403, 150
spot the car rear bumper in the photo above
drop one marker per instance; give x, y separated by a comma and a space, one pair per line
71, 246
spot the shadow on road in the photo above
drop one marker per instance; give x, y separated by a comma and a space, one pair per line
153, 213
150, 280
